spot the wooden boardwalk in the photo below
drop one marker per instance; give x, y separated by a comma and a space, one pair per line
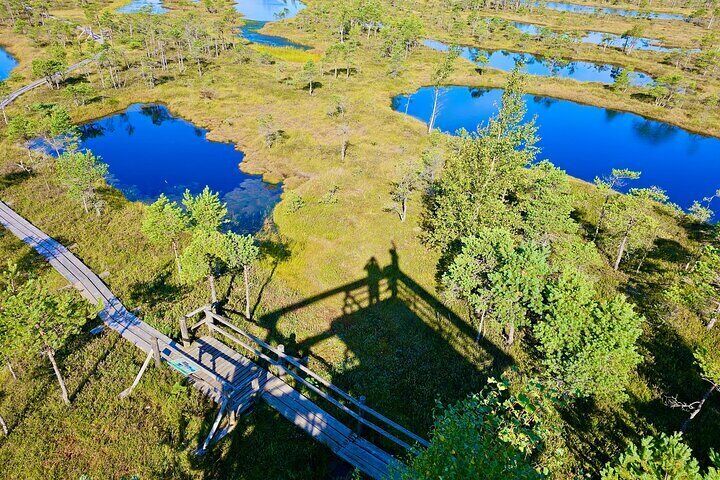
229, 378
10, 98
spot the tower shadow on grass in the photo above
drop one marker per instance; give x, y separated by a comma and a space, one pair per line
404, 349
392, 342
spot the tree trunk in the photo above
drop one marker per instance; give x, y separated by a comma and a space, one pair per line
4, 425
601, 217
177, 257
642, 261
710, 324
246, 271
481, 327
511, 334
213, 292
63, 389
343, 150
433, 115
12, 372
623, 244
403, 213
695, 412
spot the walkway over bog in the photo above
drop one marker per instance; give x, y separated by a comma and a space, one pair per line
236, 377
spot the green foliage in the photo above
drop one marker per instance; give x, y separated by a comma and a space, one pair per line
80, 93
47, 67
498, 279
589, 346
164, 224
204, 256
308, 76
164, 221
56, 127
630, 224
40, 321
402, 190
443, 71
294, 202
546, 204
491, 435
483, 172
207, 212
699, 287
241, 251
21, 128
622, 80
400, 36
709, 364
700, 212
81, 173
663, 457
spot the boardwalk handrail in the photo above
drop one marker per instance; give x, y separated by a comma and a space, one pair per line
284, 358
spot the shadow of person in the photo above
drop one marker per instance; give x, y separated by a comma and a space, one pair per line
374, 276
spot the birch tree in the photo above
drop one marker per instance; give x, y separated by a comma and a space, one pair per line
439, 78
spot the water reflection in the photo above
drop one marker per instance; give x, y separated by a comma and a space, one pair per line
250, 31
150, 152
7, 63
589, 141
591, 10
610, 40
581, 71
268, 10
152, 6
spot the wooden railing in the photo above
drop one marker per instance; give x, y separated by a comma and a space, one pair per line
286, 364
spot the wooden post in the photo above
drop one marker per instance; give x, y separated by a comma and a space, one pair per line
156, 351
280, 360
210, 322
145, 364
358, 429
216, 424
184, 332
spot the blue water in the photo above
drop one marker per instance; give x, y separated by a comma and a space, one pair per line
258, 13
268, 10
154, 6
589, 141
7, 63
535, 65
150, 152
589, 9
596, 38
249, 31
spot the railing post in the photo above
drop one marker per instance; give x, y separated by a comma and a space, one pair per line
210, 323
156, 351
361, 401
184, 332
280, 361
